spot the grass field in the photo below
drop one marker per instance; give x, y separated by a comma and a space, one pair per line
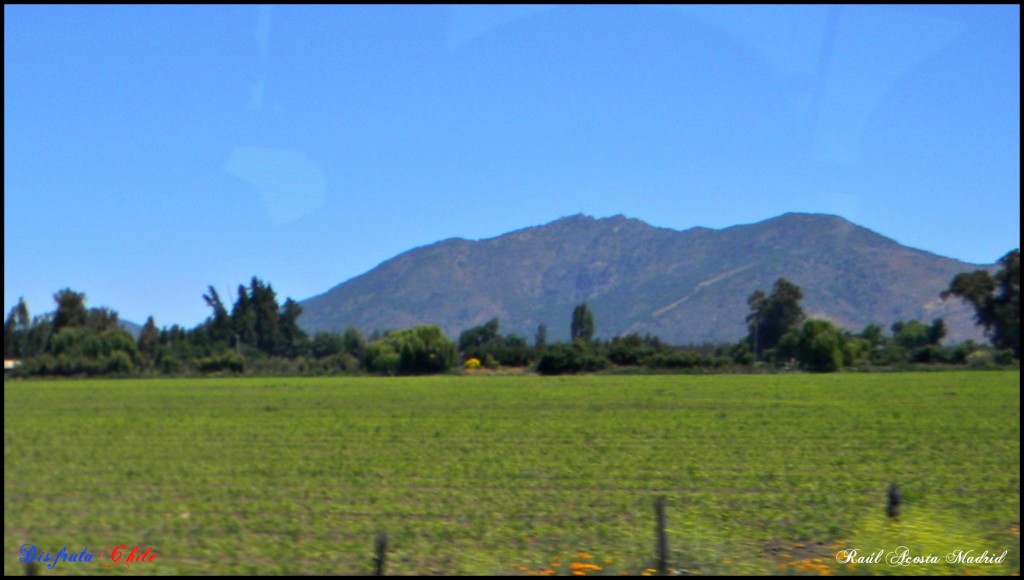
515, 475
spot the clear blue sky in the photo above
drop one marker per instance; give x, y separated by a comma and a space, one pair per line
150, 152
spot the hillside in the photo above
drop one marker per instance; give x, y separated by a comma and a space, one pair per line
684, 286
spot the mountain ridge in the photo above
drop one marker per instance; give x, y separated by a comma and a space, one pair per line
682, 285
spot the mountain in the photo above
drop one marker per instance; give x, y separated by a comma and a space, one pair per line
132, 328
683, 286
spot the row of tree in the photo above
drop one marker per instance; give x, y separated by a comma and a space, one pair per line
258, 334
778, 330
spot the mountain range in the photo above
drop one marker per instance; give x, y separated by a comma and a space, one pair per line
686, 286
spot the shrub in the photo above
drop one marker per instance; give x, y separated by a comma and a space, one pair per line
819, 347
418, 350
382, 358
119, 362
980, 359
228, 360
673, 360
564, 359
1004, 357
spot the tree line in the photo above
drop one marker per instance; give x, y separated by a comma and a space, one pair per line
257, 334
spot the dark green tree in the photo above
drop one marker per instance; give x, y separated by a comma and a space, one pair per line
582, 327
419, 350
149, 341
540, 341
819, 347
474, 339
937, 331
996, 300
773, 316
40, 333
354, 343
325, 344
16, 329
874, 334
102, 319
292, 336
561, 358
71, 310
219, 324
243, 318
914, 334
264, 303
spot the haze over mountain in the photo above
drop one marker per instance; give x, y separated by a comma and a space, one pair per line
683, 286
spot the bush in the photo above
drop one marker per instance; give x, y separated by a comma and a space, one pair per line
980, 359
119, 362
673, 360
1004, 357
169, 365
819, 347
228, 360
425, 349
419, 350
382, 358
564, 359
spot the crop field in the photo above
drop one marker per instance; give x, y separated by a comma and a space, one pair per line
519, 475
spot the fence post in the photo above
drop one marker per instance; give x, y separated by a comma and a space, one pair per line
895, 499
382, 548
662, 540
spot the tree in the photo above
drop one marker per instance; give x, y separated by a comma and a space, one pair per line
472, 341
218, 325
873, 334
915, 334
354, 343
327, 344
773, 316
996, 300
70, 309
540, 341
419, 350
16, 329
149, 340
819, 347
243, 318
292, 336
582, 327
561, 358
102, 319
263, 301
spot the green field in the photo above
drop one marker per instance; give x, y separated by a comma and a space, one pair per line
514, 475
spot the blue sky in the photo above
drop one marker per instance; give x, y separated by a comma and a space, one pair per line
150, 152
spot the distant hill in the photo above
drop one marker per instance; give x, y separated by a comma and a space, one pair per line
131, 328
684, 286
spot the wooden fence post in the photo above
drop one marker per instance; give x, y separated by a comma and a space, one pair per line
381, 549
895, 498
662, 540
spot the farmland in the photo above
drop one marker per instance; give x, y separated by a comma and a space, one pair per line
515, 475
